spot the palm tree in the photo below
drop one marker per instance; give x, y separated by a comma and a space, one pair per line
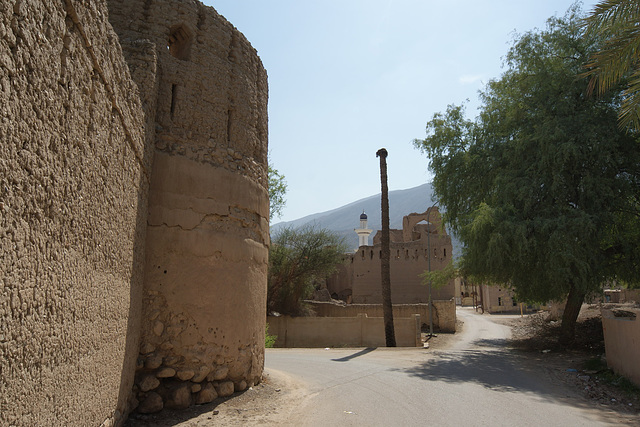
385, 270
616, 23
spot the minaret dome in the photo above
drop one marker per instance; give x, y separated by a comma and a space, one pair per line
363, 232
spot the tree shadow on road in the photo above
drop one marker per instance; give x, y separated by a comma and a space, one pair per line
499, 370
492, 364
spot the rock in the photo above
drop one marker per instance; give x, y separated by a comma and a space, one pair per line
153, 361
219, 374
239, 368
185, 375
240, 385
206, 395
148, 382
179, 397
158, 327
202, 374
321, 295
151, 403
147, 348
225, 388
196, 388
166, 373
171, 360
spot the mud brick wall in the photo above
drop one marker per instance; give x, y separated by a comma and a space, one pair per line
73, 188
207, 242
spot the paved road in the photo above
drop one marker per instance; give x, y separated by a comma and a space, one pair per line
475, 382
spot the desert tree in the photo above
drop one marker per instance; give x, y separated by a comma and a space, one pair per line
537, 184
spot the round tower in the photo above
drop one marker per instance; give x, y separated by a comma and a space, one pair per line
207, 236
363, 232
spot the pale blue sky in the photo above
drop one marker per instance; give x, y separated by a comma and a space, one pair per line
347, 77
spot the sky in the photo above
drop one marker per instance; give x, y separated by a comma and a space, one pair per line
348, 77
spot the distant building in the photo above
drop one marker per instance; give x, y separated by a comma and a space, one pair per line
363, 232
422, 241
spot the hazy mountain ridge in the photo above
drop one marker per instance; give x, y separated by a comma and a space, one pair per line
345, 219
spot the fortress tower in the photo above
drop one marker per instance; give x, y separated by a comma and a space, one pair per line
363, 232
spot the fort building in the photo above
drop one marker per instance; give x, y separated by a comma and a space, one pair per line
421, 245
133, 209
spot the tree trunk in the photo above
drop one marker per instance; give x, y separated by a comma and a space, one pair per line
570, 316
385, 269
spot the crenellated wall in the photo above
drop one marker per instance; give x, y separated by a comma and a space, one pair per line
412, 249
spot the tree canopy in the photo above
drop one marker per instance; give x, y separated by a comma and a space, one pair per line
298, 260
536, 185
277, 191
618, 59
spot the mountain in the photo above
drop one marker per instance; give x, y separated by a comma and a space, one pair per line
345, 219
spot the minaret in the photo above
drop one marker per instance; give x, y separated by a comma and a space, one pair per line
363, 232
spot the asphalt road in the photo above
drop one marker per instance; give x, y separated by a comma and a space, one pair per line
475, 382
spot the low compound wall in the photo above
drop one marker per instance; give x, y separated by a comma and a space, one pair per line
360, 331
622, 342
444, 312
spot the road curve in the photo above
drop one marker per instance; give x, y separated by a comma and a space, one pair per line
477, 381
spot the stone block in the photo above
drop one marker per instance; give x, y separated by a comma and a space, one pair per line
148, 382
150, 404
179, 397
185, 375
219, 374
206, 395
202, 374
166, 373
225, 388
153, 361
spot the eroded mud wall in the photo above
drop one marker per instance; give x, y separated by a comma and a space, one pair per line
207, 242
72, 215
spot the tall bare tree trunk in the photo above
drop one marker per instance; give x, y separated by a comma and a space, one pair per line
570, 315
385, 269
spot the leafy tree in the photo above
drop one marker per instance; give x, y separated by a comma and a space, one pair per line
298, 259
537, 184
619, 58
277, 191
440, 278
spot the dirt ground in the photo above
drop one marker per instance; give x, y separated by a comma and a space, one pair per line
533, 337
581, 367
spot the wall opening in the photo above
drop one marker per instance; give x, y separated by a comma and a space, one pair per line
174, 94
179, 43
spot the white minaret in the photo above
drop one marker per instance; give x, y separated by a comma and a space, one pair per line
363, 232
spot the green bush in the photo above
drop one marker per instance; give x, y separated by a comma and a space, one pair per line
269, 340
298, 259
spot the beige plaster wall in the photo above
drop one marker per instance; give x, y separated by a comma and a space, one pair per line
73, 182
443, 312
408, 261
415, 249
360, 331
207, 247
622, 343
